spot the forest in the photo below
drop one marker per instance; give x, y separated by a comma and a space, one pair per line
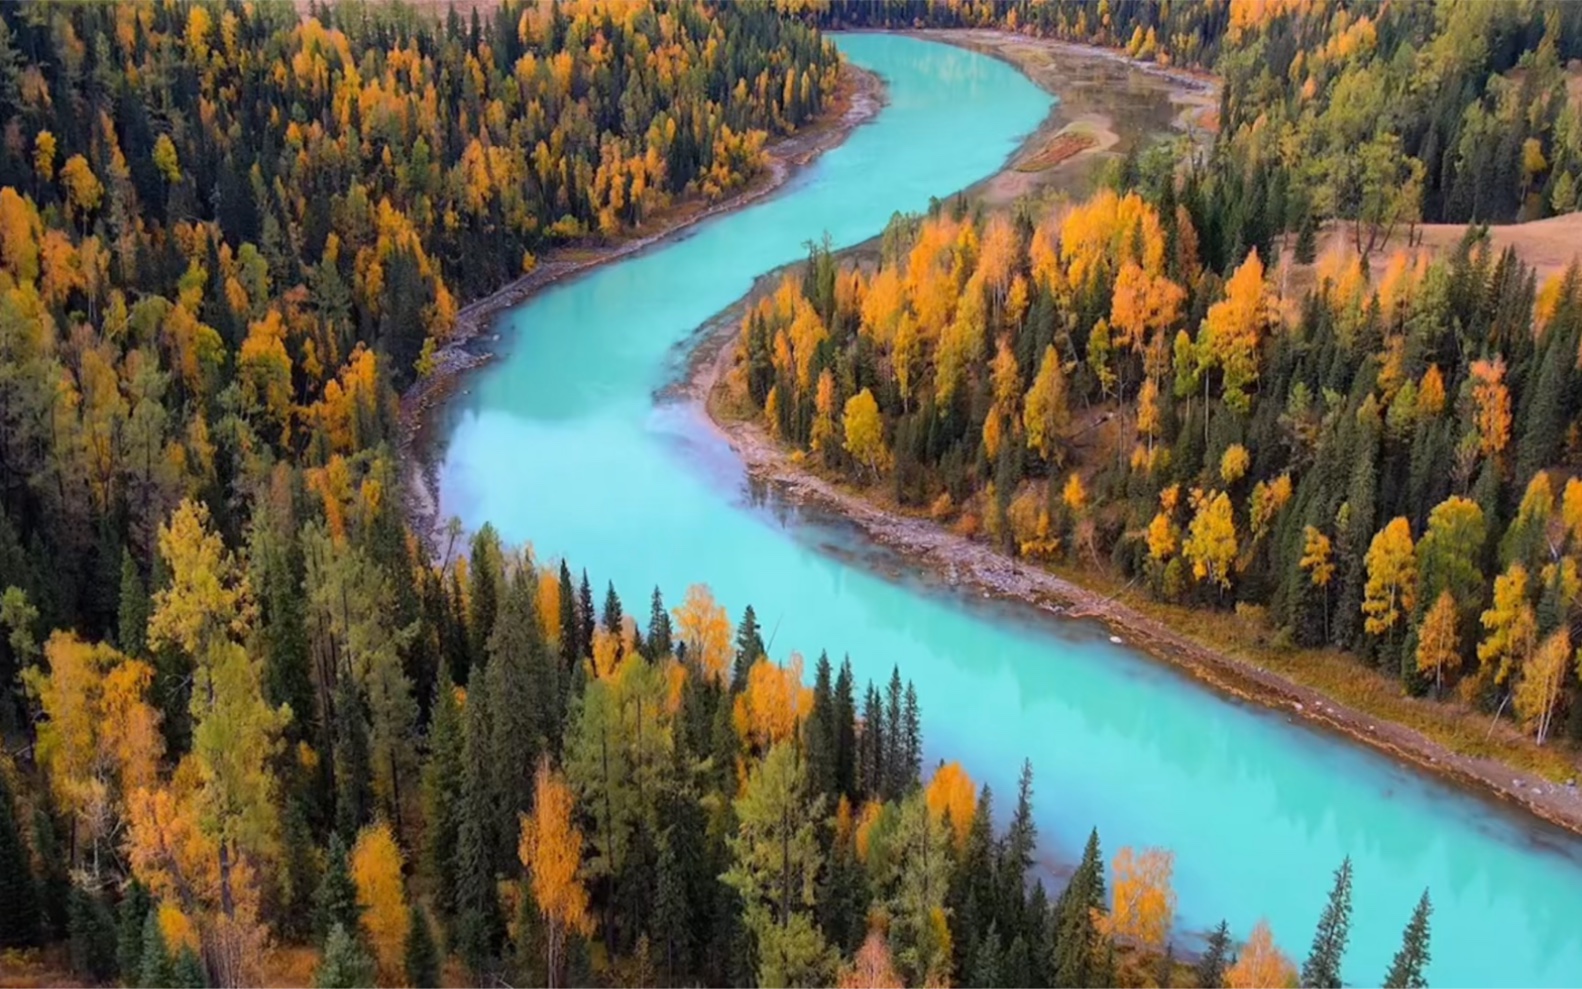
259, 730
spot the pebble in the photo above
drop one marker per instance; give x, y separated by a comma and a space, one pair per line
1300, 708
1115, 639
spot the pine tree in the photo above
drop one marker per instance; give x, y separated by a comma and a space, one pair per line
187, 971
612, 610
1407, 971
19, 921
912, 741
154, 964
514, 740
421, 955
1216, 956
572, 646
659, 644
1322, 968
346, 965
972, 899
336, 899
130, 915
820, 733
845, 733
1077, 936
985, 968
479, 927
585, 615
91, 929
894, 738
486, 574
442, 794
749, 646
1016, 856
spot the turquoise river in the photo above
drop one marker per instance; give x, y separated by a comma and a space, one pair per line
563, 442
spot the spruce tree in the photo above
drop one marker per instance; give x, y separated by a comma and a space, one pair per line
132, 613
659, 644
984, 971
1216, 956
1017, 966
971, 897
1076, 936
1322, 968
442, 794
336, 899
486, 575
820, 732
1408, 970
420, 954
130, 915
612, 610
345, 964
894, 738
912, 740
872, 743
845, 732
1016, 856
154, 964
572, 648
670, 923
187, 971
479, 926
91, 930
585, 615
749, 646
353, 775
19, 921
514, 723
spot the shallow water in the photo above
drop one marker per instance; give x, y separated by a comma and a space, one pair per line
562, 443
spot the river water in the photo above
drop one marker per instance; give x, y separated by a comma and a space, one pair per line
562, 442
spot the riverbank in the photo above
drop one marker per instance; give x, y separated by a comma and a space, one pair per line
1227, 652
859, 99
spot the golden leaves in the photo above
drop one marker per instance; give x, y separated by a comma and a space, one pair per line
376, 869
1391, 590
950, 794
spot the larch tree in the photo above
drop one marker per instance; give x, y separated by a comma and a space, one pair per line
704, 627
550, 849
865, 431
1044, 412
1142, 902
376, 869
1543, 676
1391, 590
1511, 627
1261, 964
1439, 641
1210, 544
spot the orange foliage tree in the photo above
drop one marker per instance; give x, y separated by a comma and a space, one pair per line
550, 849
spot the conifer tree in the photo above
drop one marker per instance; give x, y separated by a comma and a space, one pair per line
659, 634
871, 770
820, 732
972, 892
984, 970
1077, 937
336, 899
1408, 970
420, 954
585, 615
353, 773
1016, 855
1322, 968
91, 929
19, 921
515, 741
132, 613
187, 971
345, 965
572, 645
1216, 957
154, 963
749, 646
479, 927
442, 794
130, 915
486, 577
845, 713
894, 738
612, 610
912, 738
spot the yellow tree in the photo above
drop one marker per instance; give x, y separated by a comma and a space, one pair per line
376, 869
1538, 693
950, 794
773, 703
99, 738
1142, 904
1233, 331
1491, 406
865, 431
1210, 545
705, 628
872, 966
1044, 412
1391, 590
1261, 964
1438, 642
550, 849
1512, 628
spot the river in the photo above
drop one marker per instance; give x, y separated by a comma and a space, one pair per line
562, 442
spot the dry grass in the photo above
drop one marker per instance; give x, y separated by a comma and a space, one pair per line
1060, 147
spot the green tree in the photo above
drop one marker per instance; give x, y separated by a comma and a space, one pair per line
1322, 968
336, 899
1077, 937
442, 775
1215, 958
187, 971
19, 921
420, 954
130, 915
91, 930
345, 965
1407, 971
154, 963
479, 926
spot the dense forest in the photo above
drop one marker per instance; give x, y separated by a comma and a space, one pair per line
1385, 463
247, 710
